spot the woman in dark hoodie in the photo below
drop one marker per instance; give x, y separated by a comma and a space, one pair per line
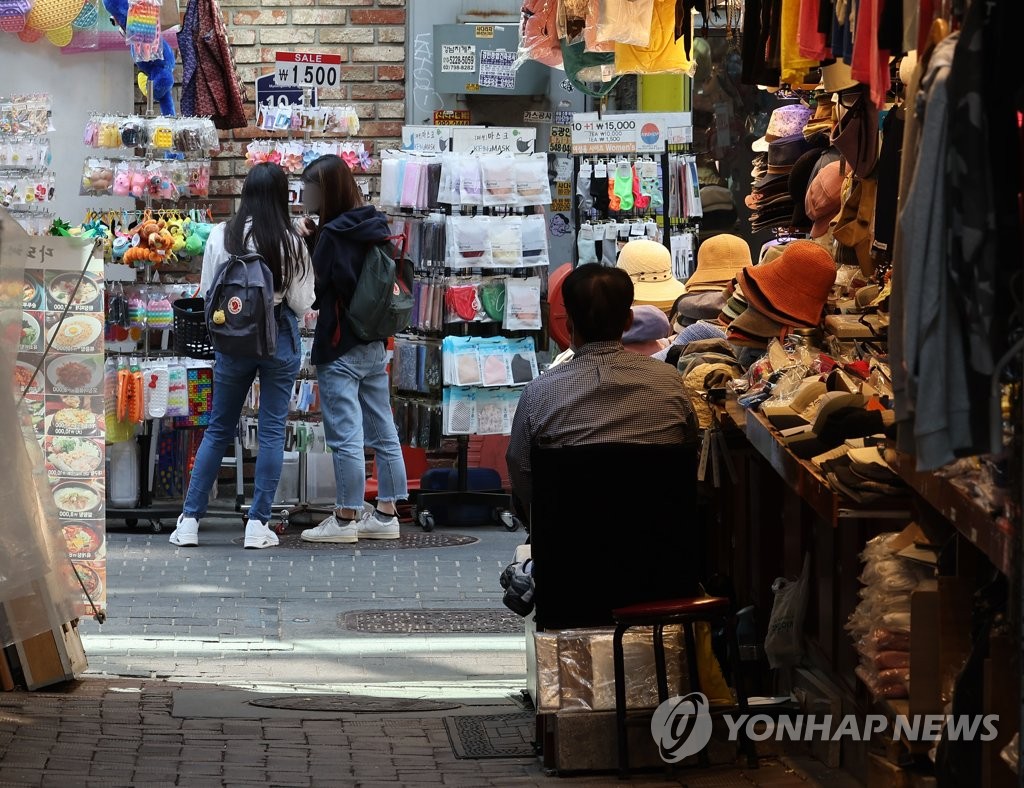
352, 374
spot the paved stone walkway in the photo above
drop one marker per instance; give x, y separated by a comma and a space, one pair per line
192, 633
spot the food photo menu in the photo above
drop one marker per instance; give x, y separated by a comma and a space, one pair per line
65, 399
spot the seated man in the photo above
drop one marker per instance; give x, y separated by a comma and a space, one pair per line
605, 394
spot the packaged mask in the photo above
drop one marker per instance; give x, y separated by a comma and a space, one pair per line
469, 242
459, 411
470, 185
532, 184
535, 240
522, 304
507, 241
499, 180
494, 361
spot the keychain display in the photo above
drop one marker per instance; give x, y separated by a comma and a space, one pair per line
26, 189
25, 115
318, 120
186, 136
294, 156
25, 154
169, 180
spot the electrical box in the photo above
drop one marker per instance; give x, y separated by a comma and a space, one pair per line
480, 60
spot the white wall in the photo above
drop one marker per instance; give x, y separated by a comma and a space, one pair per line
78, 85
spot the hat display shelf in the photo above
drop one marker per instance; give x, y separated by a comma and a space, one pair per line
26, 180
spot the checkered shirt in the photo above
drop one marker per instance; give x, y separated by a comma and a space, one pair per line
605, 394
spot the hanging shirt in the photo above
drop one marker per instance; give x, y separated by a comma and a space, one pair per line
794, 66
664, 54
870, 64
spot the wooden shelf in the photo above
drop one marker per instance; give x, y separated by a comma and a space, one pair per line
976, 524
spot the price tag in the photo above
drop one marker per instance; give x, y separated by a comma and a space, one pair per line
307, 70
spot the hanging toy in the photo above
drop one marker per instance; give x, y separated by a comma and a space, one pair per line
159, 314
137, 312
52, 18
160, 72
142, 31
13, 14
195, 244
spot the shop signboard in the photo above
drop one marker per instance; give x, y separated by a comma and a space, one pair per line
629, 132
307, 70
269, 92
560, 140
451, 117
494, 140
66, 399
429, 139
537, 116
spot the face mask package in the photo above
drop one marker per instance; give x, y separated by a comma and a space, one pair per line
492, 413
498, 174
507, 241
470, 181
448, 190
535, 241
522, 304
494, 361
469, 242
462, 302
389, 176
460, 417
531, 179
461, 362
522, 359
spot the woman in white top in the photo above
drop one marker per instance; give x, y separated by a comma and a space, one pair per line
261, 225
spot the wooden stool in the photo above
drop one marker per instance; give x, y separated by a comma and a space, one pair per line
658, 615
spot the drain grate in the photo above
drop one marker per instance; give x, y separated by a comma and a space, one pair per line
431, 621
408, 540
351, 703
492, 735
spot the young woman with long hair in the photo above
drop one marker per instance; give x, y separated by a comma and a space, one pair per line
354, 394
262, 225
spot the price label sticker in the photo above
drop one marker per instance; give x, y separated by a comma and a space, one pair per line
307, 70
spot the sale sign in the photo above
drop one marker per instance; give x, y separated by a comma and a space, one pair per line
307, 70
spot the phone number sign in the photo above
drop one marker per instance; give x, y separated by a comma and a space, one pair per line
307, 70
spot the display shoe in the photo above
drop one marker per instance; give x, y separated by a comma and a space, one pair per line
333, 530
371, 526
186, 533
258, 535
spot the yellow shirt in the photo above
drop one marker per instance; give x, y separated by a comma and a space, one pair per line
794, 66
664, 54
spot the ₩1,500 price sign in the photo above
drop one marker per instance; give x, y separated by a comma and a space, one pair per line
307, 70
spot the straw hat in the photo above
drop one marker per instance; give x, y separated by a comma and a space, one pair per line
649, 265
719, 259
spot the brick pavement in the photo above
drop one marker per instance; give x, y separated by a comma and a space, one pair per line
268, 620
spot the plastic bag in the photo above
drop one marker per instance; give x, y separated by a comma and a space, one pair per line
784, 643
538, 33
625, 21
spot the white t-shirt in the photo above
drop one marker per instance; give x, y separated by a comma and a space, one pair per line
299, 293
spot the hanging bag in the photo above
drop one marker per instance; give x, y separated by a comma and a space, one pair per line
784, 644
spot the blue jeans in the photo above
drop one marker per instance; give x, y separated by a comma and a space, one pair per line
232, 378
356, 405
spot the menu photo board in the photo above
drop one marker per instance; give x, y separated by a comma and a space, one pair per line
65, 399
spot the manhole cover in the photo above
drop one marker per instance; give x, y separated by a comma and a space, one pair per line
492, 735
408, 540
350, 703
431, 621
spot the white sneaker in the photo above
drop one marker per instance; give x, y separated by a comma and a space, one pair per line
331, 530
370, 527
186, 534
258, 535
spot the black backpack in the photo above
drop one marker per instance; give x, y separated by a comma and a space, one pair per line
382, 302
240, 308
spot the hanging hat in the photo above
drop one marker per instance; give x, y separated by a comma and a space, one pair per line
822, 201
649, 265
719, 259
856, 134
799, 180
716, 198
836, 77
785, 122
792, 289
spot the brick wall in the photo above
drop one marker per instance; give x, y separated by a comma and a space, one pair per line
368, 34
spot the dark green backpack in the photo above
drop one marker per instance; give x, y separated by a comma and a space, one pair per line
382, 303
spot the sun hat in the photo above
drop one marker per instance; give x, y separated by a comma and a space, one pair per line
792, 289
784, 122
719, 258
836, 77
649, 322
700, 305
822, 200
649, 265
